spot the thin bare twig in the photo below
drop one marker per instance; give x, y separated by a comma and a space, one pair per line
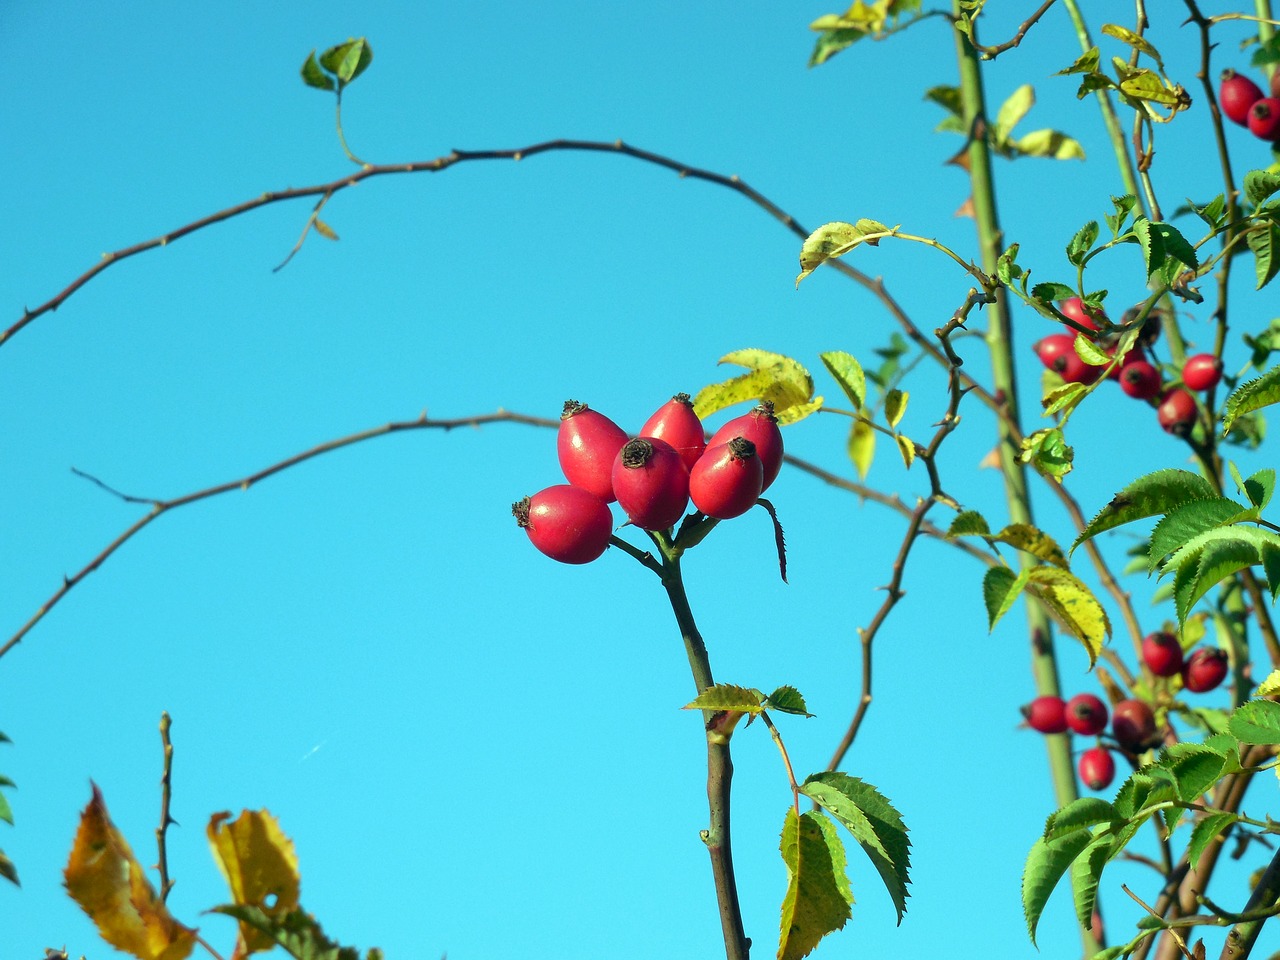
166, 794
990, 53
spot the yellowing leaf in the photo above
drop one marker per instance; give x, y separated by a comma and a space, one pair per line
862, 447
895, 405
818, 894
797, 411
106, 880
907, 448
833, 240
325, 230
1052, 144
1270, 686
782, 381
261, 868
728, 696
1074, 606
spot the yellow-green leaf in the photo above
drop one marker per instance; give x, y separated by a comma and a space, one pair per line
1048, 452
848, 373
261, 869
797, 411
325, 230
106, 880
1074, 606
1146, 85
771, 376
1270, 686
727, 696
907, 448
818, 894
835, 240
895, 405
1125, 35
1050, 144
862, 447
1036, 542
1013, 110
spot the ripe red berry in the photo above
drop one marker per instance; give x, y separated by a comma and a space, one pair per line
1264, 119
1133, 724
727, 480
676, 423
651, 483
759, 426
566, 523
1086, 714
1177, 412
1162, 653
1202, 372
1204, 670
1046, 714
1237, 95
1140, 380
1074, 308
1097, 768
587, 444
1054, 346
1057, 352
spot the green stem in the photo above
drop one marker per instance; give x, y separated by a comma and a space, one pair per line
1266, 895
1044, 666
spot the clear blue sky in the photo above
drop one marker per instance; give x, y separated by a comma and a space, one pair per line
476, 750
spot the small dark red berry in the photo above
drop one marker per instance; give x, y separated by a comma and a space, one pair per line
1046, 714
1237, 94
1089, 317
1140, 380
676, 423
651, 483
1086, 714
1264, 119
1050, 348
727, 480
587, 444
1133, 724
1177, 412
1162, 653
1097, 768
1204, 670
566, 523
1057, 352
1202, 372
759, 426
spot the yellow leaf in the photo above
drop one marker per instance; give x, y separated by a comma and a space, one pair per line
895, 405
261, 868
325, 230
862, 447
1074, 606
1270, 686
907, 448
109, 884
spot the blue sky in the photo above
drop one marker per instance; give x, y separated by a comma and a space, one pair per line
478, 751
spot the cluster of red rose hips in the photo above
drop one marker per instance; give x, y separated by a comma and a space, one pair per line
651, 477
1133, 723
1137, 375
1243, 102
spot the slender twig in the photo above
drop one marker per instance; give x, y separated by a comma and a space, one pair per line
990, 53
166, 793
786, 758
204, 943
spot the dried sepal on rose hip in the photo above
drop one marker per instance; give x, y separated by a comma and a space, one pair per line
651, 483
760, 426
566, 523
587, 443
677, 424
727, 480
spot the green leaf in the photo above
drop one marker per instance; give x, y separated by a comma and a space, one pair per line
818, 895
835, 239
1064, 398
297, 932
873, 822
1090, 352
1259, 185
346, 61
1211, 557
1259, 487
1000, 588
1081, 812
1127, 36
8, 870
6, 812
1145, 788
848, 373
1206, 829
1047, 451
1082, 242
1155, 493
946, 97
787, 700
1051, 290
313, 76
1212, 212
1034, 541
1144, 84
1196, 771
1124, 207
1253, 395
1046, 863
1012, 111
1086, 871
1074, 606
1264, 240
862, 447
1186, 522
1087, 63
968, 523
895, 405
1256, 721
1048, 144
726, 696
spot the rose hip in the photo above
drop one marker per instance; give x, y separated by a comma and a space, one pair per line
566, 523
651, 483
676, 423
587, 444
1046, 715
759, 426
1097, 768
1162, 653
727, 480
1086, 714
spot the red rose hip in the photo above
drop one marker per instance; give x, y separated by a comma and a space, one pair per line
677, 424
1074, 308
1097, 768
1264, 119
727, 480
1237, 94
1177, 412
587, 444
1140, 380
1086, 714
1204, 670
1201, 372
1046, 715
651, 483
566, 523
1162, 653
759, 426
1133, 724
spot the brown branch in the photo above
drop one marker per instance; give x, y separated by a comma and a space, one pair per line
990, 53
166, 793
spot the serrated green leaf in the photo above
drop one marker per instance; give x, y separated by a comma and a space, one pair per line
831, 42
1186, 522
1090, 352
1203, 833
1147, 787
895, 405
1212, 556
1264, 241
862, 447
1034, 541
1082, 242
1211, 212
873, 822
1047, 144
1051, 290
1012, 111
1048, 452
1127, 36
848, 374
787, 699
1153, 494
1086, 63
1256, 721
1046, 863
1074, 606
1270, 686
1081, 812
818, 895
1253, 395
1259, 487
727, 696
1086, 871
1259, 185
297, 932
968, 523
1195, 770
1000, 588
1064, 399
835, 239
